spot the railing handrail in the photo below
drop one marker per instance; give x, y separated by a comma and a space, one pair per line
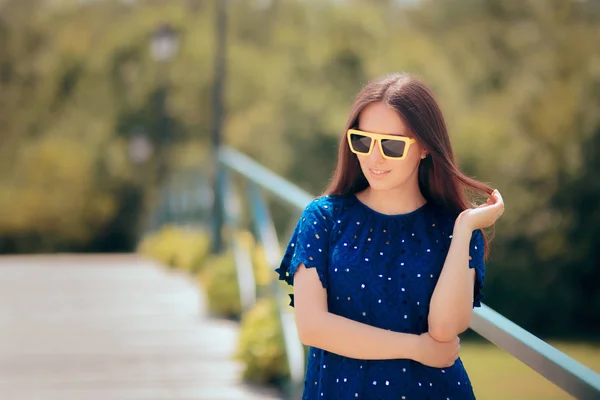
560, 369
267, 179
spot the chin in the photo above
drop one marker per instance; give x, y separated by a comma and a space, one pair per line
391, 182
381, 186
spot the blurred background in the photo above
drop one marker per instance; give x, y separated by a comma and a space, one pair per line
109, 107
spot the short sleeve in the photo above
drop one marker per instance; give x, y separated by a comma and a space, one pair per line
309, 245
476, 261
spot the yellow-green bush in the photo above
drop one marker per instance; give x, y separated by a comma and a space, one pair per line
260, 345
177, 247
219, 280
218, 276
188, 250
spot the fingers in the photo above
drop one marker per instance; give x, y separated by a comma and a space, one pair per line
451, 361
493, 199
499, 203
456, 352
497, 197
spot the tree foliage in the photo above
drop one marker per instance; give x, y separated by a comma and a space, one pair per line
518, 81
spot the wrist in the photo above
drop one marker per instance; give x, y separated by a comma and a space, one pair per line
462, 226
413, 347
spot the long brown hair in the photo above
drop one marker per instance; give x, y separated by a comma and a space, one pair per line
440, 180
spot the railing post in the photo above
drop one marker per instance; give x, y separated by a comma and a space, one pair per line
268, 237
242, 257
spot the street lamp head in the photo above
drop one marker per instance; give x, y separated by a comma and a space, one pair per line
164, 43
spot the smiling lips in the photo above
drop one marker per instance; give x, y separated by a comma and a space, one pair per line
378, 172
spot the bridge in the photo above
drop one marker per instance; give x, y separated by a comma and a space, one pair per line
76, 327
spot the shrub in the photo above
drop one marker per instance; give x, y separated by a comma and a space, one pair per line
177, 247
260, 345
219, 280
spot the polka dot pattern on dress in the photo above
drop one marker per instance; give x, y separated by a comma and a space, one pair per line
381, 270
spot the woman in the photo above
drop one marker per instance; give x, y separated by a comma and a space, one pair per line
389, 263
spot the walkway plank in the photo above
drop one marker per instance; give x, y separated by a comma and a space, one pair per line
111, 327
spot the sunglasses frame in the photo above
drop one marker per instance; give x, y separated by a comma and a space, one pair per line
377, 137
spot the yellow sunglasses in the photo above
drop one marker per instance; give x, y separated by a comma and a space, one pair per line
392, 147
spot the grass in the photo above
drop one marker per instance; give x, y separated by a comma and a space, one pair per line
495, 374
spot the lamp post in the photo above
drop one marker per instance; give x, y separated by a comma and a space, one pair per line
218, 117
164, 44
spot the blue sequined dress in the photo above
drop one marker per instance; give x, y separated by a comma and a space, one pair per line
380, 270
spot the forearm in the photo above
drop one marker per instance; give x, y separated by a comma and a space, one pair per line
451, 305
354, 339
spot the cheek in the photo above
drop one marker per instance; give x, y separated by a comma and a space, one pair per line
412, 160
363, 161
403, 169
414, 153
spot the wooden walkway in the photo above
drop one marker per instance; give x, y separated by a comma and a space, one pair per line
111, 327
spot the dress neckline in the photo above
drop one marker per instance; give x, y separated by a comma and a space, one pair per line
368, 209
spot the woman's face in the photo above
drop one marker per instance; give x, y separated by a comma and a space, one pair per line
382, 173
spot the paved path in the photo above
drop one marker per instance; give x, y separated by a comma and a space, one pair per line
111, 327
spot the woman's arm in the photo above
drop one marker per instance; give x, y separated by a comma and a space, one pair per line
451, 305
319, 328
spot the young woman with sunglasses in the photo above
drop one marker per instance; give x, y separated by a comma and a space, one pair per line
388, 264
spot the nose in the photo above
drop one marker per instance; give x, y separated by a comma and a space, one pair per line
376, 155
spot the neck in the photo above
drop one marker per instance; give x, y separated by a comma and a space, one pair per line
400, 200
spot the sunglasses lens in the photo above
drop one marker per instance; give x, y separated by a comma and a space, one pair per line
393, 148
360, 143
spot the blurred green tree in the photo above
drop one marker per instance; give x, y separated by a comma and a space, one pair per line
519, 83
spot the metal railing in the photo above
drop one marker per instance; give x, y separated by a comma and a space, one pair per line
560, 369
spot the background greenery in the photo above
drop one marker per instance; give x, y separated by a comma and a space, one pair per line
519, 82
